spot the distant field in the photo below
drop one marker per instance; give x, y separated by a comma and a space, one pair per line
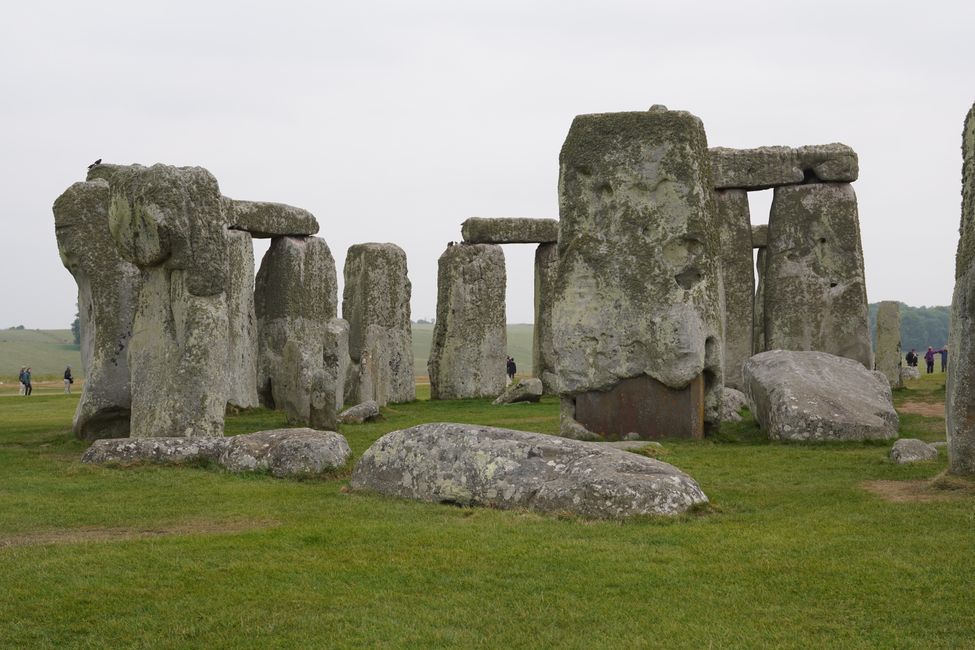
49, 351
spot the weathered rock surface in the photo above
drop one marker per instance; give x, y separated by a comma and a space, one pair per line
286, 452
909, 372
761, 266
467, 356
834, 162
510, 230
814, 288
912, 450
264, 219
888, 353
483, 466
733, 401
295, 300
241, 321
814, 396
338, 363
523, 390
543, 345
765, 167
960, 393
376, 304
167, 451
108, 287
364, 412
168, 222
738, 278
638, 282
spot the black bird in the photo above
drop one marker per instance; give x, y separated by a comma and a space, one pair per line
97, 162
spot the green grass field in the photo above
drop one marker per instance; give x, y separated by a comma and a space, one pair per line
806, 546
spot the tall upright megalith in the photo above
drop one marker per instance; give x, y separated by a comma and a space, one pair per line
467, 355
108, 287
888, 352
960, 394
738, 278
543, 345
376, 304
760, 244
168, 221
241, 321
636, 316
814, 288
295, 299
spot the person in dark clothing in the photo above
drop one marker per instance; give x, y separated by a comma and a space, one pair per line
512, 368
912, 358
68, 380
929, 359
28, 389
944, 358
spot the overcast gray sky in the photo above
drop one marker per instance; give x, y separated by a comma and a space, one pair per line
395, 121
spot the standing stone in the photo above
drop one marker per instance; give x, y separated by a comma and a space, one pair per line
543, 345
889, 342
168, 221
467, 356
295, 299
960, 394
241, 321
738, 276
814, 290
637, 316
760, 242
376, 304
338, 363
107, 291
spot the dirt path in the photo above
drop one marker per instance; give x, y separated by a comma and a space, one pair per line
929, 409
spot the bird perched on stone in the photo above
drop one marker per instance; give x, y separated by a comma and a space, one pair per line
97, 162
449, 244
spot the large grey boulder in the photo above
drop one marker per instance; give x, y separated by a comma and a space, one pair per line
912, 450
108, 287
738, 280
765, 167
960, 393
543, 345
467, 356
523, 390
733, 401
815, 396
510, 230
241, 321
287, 452
484, 466
910, 373
166, 451
364, 412
814, 288
264, 219
638, 296
168, 221
376, 304
888, 352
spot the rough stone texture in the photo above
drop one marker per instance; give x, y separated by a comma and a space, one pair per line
510, 230
960, 393
484, 466
360, 413
814, 289
168, 451
295, 300
638, 283
168, 221
543, 345
287, 452
760, 236
376, 304
523, 390
765, 167
263, 219
738, 278
733, 402
241, 321
888, 353
761, 266
107, 291
338, 363
912, 450
816, 396
910, 372
644, 407
467, 357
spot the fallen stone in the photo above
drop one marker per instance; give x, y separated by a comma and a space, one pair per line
523, 390
287, 452
364, 412
815, 396
483, 466
888, 352
510, 230
912, 450
733, 401
262, 219
167, 451
910, 373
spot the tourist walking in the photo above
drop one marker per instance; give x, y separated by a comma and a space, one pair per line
944, 358
929, 359
912, 358
20, 377
68, 380
28, 389
512, 368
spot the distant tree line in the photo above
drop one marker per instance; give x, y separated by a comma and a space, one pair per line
920, 326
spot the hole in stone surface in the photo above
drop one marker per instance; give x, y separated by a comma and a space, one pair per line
809, 176
832, 285
688, 277
822, 240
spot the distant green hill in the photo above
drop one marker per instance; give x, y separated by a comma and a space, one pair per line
920, 326
47, 352
519, 346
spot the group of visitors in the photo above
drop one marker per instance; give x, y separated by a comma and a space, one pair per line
26, 387
912, 358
